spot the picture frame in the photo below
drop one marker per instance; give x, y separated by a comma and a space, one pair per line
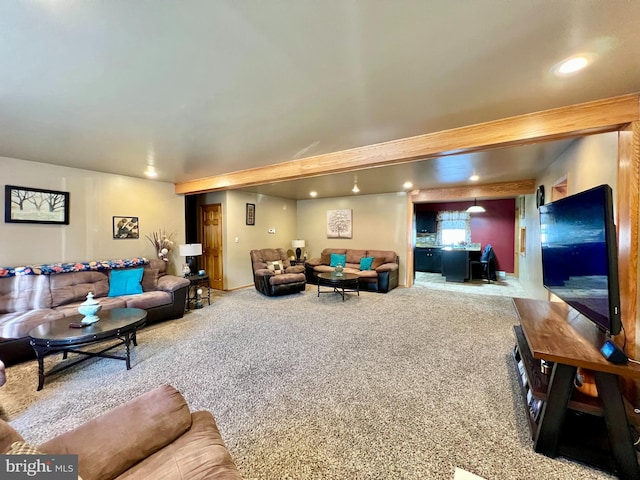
126, 227
339, 223
251, 213
35, 205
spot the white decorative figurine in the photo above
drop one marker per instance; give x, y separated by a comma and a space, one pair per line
89, 308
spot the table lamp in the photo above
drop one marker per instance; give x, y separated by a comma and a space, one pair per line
298, 245
189, 250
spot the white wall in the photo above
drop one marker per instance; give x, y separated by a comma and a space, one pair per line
271, 212
379, 223
94, 198
588, 162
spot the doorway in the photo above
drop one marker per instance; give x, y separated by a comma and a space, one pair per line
211, 235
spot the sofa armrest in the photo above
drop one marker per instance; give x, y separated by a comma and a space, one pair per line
263, 272
313, 262
387, 267
171, 283
295, 269
111, 443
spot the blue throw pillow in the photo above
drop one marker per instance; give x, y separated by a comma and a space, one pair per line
365, 263
337, 258
125, 282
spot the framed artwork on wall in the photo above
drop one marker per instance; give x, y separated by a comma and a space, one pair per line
126, 227
35, 205
339, 224
251, 213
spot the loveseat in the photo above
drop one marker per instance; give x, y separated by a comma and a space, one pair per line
273, 273
380, 276
32, 295
153, 436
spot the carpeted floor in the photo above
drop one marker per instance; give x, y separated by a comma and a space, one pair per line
405, 385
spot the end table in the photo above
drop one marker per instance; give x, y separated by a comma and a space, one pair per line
195, 282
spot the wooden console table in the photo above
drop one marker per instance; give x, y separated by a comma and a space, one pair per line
568, 423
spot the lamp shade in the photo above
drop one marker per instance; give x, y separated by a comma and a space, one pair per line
475, 208
190, 249
297, 243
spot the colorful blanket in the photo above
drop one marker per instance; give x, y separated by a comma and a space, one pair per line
52, 268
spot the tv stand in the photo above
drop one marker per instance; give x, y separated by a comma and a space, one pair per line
563, 421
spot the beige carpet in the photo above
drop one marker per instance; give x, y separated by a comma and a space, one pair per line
406, 385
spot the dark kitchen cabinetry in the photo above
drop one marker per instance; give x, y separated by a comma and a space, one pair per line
425, 222
427, 260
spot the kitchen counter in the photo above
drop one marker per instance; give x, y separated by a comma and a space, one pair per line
455, 263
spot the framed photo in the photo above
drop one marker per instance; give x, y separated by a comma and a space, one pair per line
126, 227
251, 213
339, 224
34, 205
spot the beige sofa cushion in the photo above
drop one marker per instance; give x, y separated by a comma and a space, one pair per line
387, 255
354, 256
73, 286
112, 443
24, 292
199, 454
19, 324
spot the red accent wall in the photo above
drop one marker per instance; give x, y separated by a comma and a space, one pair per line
495, 226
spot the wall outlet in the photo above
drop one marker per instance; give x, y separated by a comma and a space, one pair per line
272, 230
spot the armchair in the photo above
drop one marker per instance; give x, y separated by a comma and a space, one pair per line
274, 275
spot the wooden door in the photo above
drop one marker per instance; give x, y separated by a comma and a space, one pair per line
211, 216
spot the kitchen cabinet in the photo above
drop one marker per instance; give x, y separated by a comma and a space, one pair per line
425, 222
427, 259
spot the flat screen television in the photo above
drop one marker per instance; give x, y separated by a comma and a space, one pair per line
580, 255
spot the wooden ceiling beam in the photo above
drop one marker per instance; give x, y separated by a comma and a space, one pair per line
466, 192
558, 123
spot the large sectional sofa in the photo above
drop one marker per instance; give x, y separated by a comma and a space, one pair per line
32, 295
153, 436
381, 276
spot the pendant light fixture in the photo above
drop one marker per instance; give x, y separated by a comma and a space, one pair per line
475, 208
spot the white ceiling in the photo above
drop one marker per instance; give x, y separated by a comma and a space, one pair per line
205, 87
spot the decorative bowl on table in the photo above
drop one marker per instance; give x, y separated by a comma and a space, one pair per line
89, 308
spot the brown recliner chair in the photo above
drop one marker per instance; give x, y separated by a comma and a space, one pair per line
274, 275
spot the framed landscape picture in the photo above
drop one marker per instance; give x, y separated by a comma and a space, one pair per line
126, 227
35, 205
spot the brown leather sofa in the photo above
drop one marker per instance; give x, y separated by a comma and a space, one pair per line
381, 277
28, 300
272, 281
153, 436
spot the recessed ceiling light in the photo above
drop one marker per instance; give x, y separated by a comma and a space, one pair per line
573, 64
474, 177
313, 194
151, 171
407, 185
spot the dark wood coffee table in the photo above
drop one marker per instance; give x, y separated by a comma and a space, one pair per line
57, 336
347, 282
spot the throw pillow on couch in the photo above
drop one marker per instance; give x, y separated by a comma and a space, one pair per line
125, 282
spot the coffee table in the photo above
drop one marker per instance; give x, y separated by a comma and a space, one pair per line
57, 336
347, 282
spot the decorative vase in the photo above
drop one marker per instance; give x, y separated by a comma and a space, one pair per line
338, 270
89, 308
